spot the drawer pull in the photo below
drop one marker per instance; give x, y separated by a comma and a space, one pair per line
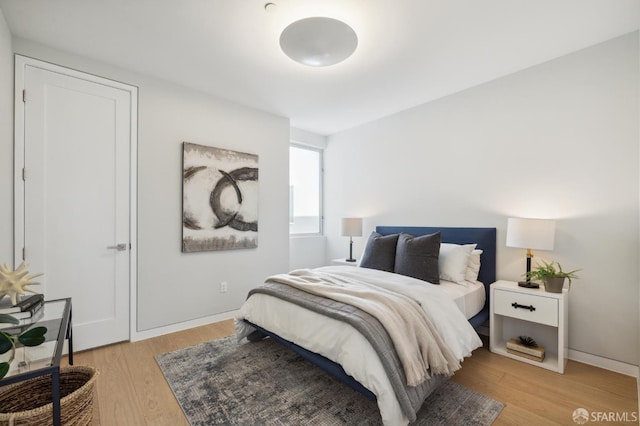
516, 305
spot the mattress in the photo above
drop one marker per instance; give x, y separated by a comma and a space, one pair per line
469, 297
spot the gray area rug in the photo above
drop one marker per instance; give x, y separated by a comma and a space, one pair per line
222, 382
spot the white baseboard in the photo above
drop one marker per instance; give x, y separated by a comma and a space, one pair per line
155, 332
606, 363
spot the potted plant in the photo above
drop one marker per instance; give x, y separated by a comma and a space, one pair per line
9, 337
552, 275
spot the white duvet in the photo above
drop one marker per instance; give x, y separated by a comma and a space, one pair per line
343, 344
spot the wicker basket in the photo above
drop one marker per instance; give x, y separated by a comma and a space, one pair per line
30, 402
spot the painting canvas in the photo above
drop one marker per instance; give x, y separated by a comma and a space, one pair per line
219, 199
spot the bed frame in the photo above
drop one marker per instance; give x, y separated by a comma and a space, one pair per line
485, 238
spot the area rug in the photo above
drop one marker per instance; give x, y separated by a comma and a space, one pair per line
223, 382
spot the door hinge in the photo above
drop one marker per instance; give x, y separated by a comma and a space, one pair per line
24, 95
24, 174
24, 253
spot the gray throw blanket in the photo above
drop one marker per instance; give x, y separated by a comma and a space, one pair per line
410, 398
417, 342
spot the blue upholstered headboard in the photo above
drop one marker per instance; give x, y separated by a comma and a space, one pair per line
485, 238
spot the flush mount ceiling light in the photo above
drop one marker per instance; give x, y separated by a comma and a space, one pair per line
318, 41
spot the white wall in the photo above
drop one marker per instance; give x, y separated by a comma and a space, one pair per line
307, 251
6, 144
559, 140
172, 286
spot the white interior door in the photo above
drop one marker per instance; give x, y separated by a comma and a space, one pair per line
77, 165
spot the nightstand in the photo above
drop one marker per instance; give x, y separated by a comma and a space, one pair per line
518, 311
343, 262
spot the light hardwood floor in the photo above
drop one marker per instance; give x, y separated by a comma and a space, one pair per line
131, 389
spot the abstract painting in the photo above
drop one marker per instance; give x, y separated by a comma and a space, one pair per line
219, 199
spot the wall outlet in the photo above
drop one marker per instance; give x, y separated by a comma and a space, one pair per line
223, 287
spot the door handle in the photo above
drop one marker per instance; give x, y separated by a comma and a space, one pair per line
119, 247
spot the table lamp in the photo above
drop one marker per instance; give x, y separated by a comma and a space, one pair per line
537, 234
351, 227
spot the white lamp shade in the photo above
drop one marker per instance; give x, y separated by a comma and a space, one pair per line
537, 234
351, 227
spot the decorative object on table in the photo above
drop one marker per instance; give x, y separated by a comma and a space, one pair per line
552, 276
219, 199
14, 283
29, 402
525, 349
25, 303
256, 374
537, 234
528, 341
25, 310
351, 227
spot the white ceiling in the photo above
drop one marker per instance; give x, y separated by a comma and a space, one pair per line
410, 51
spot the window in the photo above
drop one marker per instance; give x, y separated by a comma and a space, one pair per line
305, 190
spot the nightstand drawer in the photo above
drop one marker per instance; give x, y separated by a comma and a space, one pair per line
528, 307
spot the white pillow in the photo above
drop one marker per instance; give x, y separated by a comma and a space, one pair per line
473, 266
453, 261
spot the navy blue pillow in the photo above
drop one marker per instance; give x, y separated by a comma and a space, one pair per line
380, 252
417, 257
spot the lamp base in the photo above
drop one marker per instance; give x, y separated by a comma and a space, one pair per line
350, 260
528, 284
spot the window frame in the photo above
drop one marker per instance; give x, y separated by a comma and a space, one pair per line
320, 152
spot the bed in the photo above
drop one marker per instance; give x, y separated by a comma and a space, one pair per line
342, 349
